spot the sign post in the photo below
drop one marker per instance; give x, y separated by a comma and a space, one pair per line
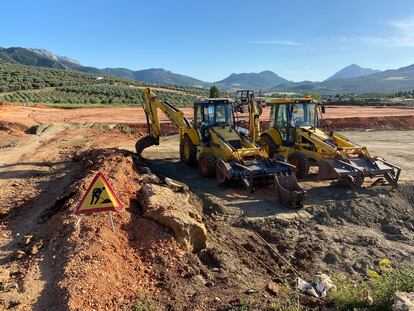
99, 198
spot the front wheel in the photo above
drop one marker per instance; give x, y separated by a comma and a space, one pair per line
188, 151
207, 164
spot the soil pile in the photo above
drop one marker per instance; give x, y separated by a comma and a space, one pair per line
348, 235
12, 129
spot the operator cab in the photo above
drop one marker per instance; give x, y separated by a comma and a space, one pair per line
286, 116
216, 113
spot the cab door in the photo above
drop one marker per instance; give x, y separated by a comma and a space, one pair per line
280, 116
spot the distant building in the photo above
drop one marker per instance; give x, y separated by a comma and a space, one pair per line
96, 78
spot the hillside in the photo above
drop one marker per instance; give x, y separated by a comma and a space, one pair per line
156, 76
28, 57
352, 71
46, 59
387, 81
20, 83
401, 79
262, 80
351, 79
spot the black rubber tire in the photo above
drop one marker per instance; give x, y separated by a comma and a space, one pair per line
301, 163
145, 142
192, 159
207, 164
266, 140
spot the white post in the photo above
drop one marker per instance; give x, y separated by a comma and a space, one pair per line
111, 221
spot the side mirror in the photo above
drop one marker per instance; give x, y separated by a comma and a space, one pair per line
323, 109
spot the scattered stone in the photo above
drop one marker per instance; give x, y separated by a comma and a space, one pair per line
27, 239
403, 301
249, 291
149, 179
209, 284
217, 299
13, 303
20, 254
36, 247
145, 170
174, 210
330, 259
175, 184
199, 279
89, 163
34, 250
273, 288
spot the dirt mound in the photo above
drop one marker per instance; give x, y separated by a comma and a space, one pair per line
386, 123
12, 128
39, 105
348, 235
5, 104
95, 267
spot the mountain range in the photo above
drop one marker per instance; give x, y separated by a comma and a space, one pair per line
352, 71
351, 79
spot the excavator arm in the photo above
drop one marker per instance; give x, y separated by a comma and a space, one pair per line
254, 121
151, 105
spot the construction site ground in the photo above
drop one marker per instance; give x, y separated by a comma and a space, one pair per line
48, 157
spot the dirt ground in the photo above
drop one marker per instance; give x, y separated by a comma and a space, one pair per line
29, 116
48, 264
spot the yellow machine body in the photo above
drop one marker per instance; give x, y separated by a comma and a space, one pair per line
213, 144
294, 134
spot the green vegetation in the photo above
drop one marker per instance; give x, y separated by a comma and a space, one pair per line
379, 288
214, 91
19, 83
143, 303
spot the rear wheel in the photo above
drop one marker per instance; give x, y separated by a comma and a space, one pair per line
188, 151
301, 162
207, 164
268, 145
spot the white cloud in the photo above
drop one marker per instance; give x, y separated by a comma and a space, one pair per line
402, 35
276, 42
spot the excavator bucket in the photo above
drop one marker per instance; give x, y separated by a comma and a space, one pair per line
289, 191
266, 172
354, 170
145, 142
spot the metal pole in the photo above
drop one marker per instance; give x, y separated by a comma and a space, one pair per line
111, 221
78, 221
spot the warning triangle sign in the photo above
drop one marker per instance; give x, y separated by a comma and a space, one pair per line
99, 197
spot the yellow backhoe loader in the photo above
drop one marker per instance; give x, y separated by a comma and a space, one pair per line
294, 134
212, 142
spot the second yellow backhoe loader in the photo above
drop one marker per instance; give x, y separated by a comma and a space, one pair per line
294, 134
212, 142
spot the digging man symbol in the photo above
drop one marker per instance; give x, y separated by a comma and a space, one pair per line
96, 194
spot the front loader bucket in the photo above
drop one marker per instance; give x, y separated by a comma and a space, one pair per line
289, 191
354, 170
265, 172
145, 142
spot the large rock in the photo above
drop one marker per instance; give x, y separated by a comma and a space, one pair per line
175, 211
403, 301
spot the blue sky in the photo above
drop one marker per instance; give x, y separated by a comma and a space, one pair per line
299, 40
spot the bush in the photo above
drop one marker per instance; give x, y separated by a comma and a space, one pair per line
379, 288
